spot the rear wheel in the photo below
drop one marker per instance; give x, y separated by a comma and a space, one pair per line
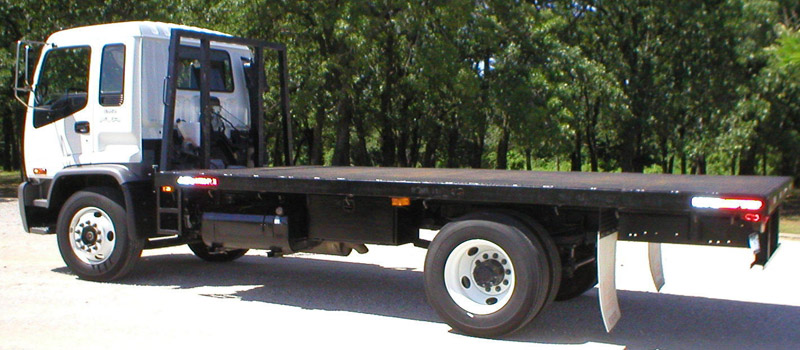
487, 277
93, 235
214, 254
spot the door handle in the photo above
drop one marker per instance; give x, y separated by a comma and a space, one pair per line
82, 127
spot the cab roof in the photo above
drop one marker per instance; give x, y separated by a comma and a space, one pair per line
157, 30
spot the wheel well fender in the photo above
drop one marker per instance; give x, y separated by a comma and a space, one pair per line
138, 196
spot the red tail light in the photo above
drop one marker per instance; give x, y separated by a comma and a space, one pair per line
198, 181
752, 217
727, 203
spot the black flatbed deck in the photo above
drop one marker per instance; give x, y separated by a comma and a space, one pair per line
605, 190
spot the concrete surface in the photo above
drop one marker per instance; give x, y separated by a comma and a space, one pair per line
712, 300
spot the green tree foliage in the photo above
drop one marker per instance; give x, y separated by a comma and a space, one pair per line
634, 85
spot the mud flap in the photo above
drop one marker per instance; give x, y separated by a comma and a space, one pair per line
606, 266
656, 266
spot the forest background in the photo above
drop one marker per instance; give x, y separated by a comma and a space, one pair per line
689, 87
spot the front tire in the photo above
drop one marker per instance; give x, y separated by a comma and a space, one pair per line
93, 237
487, 277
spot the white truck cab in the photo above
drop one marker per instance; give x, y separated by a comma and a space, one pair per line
109, 108
97, 96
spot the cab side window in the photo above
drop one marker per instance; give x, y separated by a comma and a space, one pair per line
62, 86
220, 74
112, 75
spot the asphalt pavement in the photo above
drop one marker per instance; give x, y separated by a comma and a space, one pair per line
712, 300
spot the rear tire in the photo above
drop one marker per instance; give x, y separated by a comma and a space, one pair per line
93, 237
207, 253
487, 277
540, 233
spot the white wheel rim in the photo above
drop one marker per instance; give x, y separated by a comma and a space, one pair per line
92, 235
479, 276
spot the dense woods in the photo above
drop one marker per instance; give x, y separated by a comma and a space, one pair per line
640, 86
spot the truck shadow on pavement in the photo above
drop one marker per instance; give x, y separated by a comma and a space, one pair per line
650, 320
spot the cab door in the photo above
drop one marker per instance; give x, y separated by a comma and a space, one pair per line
115, 132
61, 99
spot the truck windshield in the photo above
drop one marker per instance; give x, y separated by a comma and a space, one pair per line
63, 82
220, 77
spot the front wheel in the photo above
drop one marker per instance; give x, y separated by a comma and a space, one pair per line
93, 235
487, 277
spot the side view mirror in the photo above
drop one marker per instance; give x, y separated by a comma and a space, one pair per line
23, 73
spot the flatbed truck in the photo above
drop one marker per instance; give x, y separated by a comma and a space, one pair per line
142, 135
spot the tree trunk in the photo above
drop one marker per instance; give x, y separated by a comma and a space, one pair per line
593, 154
700, 165
387, 146
308, 141
8, 143
387, 137
528, 163
452, 146
402, 148
360, 154
16, 150
664, 156
627, 154
277, 150
591, 131
671, 164
748, 161
576, 153
639, 155
341, 152
683, 164
316, 143
788, 163
429, 156
413, 152
502, 146
476, 156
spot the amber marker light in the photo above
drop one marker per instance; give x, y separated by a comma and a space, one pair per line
401, 201
40, 171
167, 189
